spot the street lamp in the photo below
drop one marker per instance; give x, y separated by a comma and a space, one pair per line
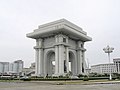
109, 50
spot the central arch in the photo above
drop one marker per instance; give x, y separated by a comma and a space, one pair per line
50, 63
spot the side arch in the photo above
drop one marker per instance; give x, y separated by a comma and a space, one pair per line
72, 63
50, 58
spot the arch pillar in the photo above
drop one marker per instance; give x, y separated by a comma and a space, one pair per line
79, 62
39, 58
61, 59
80, 57
56, 61
60, 54
67, 59
36, 62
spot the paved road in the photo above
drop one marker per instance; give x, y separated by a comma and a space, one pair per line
41, 86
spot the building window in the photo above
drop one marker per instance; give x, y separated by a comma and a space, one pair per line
64, 39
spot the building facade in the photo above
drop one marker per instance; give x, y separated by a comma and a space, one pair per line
11, 68
29, 71
4, 67
17, 66
117, 63
60, 43
104, 68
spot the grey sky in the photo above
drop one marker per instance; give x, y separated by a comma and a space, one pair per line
99, 18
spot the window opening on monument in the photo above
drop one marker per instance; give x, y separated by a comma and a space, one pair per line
64, 39
71, 63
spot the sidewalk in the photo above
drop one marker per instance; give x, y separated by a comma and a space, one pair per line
91, 82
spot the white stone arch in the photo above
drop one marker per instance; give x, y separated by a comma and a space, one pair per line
73, 60
49, 57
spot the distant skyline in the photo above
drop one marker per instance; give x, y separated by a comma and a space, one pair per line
99, 18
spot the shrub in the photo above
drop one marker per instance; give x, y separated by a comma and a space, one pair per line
80, 75
61, 76
48, 76
118, 77
40, 77
27, 79
54, 77
85, 78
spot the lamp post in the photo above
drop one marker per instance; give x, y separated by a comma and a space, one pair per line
109, 50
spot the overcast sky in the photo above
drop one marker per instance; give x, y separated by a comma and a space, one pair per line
99, 18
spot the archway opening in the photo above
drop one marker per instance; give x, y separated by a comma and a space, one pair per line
71, 63
50, 63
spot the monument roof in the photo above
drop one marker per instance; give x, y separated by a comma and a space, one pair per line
60, 26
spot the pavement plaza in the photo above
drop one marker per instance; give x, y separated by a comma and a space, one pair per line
52, 86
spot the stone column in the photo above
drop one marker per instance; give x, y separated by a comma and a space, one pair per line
67, 59
67, 55
56, 56
41, 63
39, 57
79, 62
59, 55
36, 61
56, 60
61, 59
118, 67
36, 58
45, 63
79, 58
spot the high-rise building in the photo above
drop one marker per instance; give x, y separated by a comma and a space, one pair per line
17, 66
4, 67
1, 67
10, 68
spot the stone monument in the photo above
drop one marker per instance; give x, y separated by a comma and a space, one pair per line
59, 48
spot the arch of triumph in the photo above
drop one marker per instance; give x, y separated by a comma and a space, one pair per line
59, 48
